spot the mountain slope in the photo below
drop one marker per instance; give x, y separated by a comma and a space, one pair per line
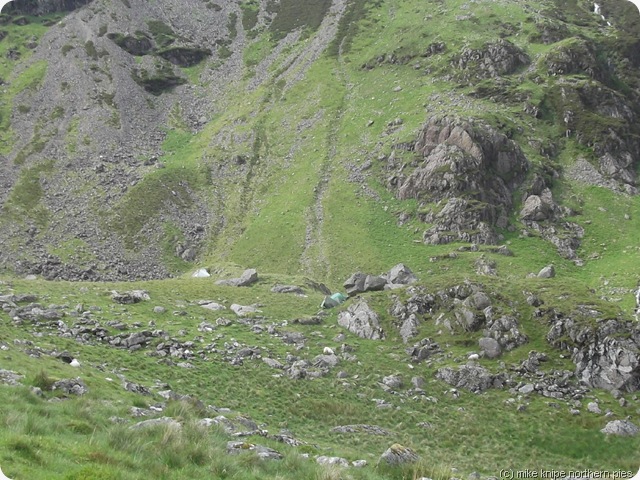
228, 98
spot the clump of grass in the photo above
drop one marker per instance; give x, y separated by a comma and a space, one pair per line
43, 381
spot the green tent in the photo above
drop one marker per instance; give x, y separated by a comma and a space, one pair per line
334, 300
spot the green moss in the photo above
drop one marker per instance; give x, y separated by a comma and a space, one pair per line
162, 79
29, 79
250, 10
25, 198
162, 33
90, 49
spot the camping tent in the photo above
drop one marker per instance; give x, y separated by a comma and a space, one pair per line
334, 300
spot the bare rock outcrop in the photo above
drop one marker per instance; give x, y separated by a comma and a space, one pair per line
492, 60
470, 171
606, 354
362, 320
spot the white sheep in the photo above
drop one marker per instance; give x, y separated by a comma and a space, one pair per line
474, 356
74, 363
328, 351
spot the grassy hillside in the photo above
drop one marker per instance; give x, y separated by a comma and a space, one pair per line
275, 152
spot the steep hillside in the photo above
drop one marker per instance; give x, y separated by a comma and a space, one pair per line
142, 137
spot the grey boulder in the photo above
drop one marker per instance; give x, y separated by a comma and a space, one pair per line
361, 320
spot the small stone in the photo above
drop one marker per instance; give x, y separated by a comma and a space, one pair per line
547, 272
324, 460
593, 407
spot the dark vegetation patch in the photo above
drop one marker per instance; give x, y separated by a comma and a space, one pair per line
184, 56
162, 33
250, 10
293, 14
348, 26
161, 80
137, 45
26, 196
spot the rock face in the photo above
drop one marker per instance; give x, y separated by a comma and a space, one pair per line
361, 320
493, 60
409, 313
606, 355
471, 171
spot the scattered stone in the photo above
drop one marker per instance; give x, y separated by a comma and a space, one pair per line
359, 463
7, 377
392, 381
527, 389
70, 386
361, 428
593, 407
243, 310
287, 289
130, 297
155, 422
423, 350
212, 305
159, 310
262, 452
339, 461
398, 454
272, 363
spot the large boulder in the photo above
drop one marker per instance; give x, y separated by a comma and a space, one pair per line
355, 283
360, 319
621, 427
398, 454
248, 277
401, 275
490, 347
361, 282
